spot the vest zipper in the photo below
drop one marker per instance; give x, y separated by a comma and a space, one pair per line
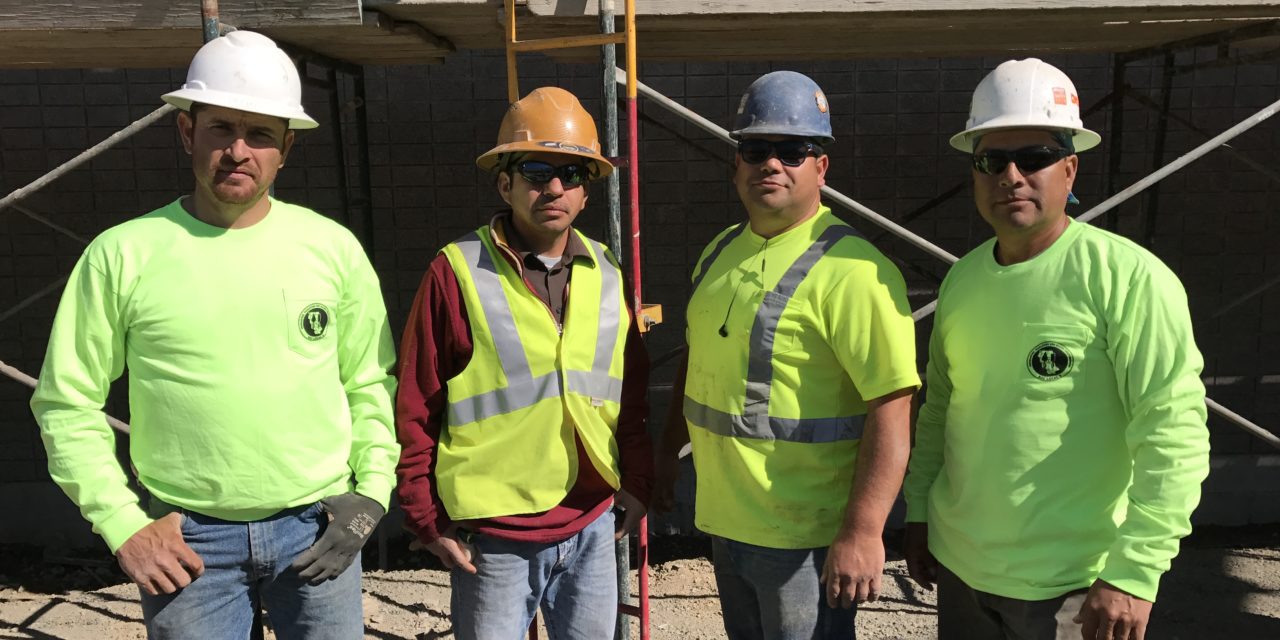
515, 260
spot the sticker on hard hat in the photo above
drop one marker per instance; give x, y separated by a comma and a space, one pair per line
564, 146
1059, 95
822, 101
742, 104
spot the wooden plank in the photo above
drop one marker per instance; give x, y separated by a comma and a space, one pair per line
160, 48
172, 14
157, 33
980, 25
853, 43
778, 8
474, 25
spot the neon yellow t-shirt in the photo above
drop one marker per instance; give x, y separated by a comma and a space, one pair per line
1063, 434
257, 360
844, 337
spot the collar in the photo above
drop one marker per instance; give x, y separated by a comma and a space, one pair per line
504, 234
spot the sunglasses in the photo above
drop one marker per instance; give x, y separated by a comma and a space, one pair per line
539, 172
1027, 159
791, 153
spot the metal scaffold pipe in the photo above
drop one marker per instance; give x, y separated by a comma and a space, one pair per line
1184, 160
1243, 423
85, 156
613, 184
209, 19
16, 374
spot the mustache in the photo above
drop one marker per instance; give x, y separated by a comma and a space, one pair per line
236, 168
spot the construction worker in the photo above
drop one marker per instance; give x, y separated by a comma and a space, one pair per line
796, 388
522, 398
1062, 443
258, 348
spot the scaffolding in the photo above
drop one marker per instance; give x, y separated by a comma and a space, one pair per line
337, 73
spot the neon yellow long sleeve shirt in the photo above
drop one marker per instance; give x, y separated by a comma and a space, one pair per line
1063, 435
257, 361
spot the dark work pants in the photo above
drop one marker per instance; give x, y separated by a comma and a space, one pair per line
965, 613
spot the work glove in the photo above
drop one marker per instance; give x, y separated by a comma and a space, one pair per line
352, 518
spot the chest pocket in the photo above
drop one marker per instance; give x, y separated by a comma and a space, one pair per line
1053, 359
311, 324
792, 328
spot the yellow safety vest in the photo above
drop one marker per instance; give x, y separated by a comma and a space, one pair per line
770, 471
507, 446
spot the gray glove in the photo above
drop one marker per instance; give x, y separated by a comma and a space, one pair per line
352, 517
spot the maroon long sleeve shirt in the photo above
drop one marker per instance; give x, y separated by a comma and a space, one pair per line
437, 346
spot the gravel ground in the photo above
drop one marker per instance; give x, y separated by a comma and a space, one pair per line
1225, 584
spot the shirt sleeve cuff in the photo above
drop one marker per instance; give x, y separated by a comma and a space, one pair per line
1135, 580
378, 489
117, 529
886, 387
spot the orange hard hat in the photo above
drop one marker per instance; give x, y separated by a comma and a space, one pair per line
548, 120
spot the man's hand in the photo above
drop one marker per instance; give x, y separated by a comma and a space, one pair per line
352, 518
921, 565
666, 471
852, 572
1111, 614
454, 553
633, 510
158, 559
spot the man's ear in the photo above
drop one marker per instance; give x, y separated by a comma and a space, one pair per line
289, 138
186, 129
504, 186
1071, 165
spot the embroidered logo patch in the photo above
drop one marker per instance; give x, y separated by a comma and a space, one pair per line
1049, 361
314, 321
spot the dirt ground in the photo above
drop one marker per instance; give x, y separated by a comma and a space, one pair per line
1225, 584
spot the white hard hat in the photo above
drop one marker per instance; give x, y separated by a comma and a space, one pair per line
1025, 94
248, 72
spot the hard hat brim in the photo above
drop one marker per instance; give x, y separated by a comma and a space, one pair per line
1082, 139
776, 130
489, 160
183, 98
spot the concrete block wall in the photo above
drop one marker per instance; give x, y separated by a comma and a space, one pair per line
426, 124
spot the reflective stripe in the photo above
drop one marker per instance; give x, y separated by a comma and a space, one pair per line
606, 331
522, 389
755, 421
762, 427
497, 311
590, 383
518, 394
715, 253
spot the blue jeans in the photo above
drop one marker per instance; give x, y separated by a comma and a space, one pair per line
575, 582
245, 562
774, 594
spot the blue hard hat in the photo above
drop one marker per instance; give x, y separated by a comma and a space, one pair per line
784, 103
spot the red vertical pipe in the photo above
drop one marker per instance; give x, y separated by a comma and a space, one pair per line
642, 559
633, 168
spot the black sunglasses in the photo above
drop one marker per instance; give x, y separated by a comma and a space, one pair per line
539, 172
1027, 159
790, 152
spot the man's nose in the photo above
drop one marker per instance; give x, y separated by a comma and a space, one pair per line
1010, 176
238, 149
553, 187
